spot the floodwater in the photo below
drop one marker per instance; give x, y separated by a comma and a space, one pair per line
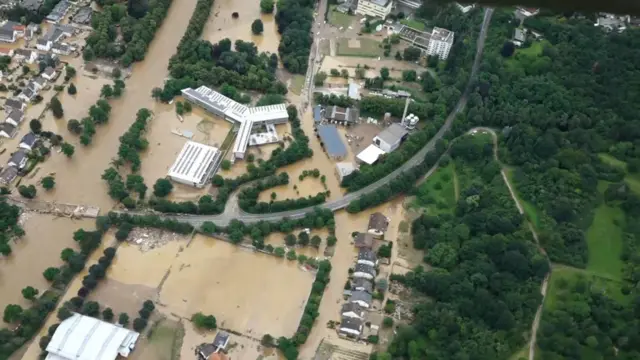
35, 252
277, 239
221, 25
78, 179
310, 186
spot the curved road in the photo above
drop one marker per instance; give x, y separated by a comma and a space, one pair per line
232, 212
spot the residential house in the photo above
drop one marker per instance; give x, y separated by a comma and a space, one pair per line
340, 115
364, 271
7, 130
61, 49
44, 44
378, 224
361, 284
28, 93
367, 257
7, 175
58, 12
6, 52
14, 104
50, 59
364, 240
390, 138
49, 73
18, 28
15, 117
18, 159
519, 36
83, 16
7, 34
38, 83
352, 310
205, 351
31, 31
465, 8
362, 298
28, 56
527, 12
221, 340
351, 327
28, 141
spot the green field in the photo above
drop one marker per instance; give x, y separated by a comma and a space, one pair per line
570, 275
534, 50
438, 193
368, 48
297, 83
339, 19
633, 180
604, 240
415, 24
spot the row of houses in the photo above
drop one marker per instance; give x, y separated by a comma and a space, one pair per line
353, 314
34, 86
18, 161
52, 40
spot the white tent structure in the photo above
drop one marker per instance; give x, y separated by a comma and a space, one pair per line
85, 338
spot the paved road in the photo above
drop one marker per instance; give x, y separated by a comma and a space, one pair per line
229, 214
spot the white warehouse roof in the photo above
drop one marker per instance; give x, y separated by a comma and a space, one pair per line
370, 155
85, 338
194, 164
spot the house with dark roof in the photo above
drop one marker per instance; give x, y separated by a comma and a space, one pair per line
378, 224
28, 93
58, 12
364, 271
361, 284
7, 34
331, 141
14, 104
221, 340
28, 56
15, 117
18, 159
351, 327
363, 240
49, 73
367, 257
7, 130
362, 298
61, 49
28, 141
43, 44
8, 174
340, 115
83, 16
204, 351
38, 83
352, 310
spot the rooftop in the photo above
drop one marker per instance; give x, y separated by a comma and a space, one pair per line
317, 113
370, 154
340, 114
345, 168
351, 323
352, 307
360, 295
354, 91
367, 255
23, 52
365, 269
393, 133
379, 222
519, 35
382, 3
85, 338
59, 11
194, 162
440, 34
332, 140
16, 115
221, 339
83, 16
361, 283
8, 174
29, 139
7, 128
13, 103
364, 240
49, 71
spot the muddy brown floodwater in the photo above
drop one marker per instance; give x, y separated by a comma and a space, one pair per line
221, 25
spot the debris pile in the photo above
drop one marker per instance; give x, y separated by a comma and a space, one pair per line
148, 239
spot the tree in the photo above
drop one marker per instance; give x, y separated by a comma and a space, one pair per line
30, 293
67, 149
116, 73
56, 107
257, 27
411, 54
12, 313
50, 273
387, 322
70, 72
123, 319
25, 69
290, 240
162, 187
71, 90
208, 227
35, 125
267, 340
48, 182
279, 252
316, 241
64, 313
28, 192
508, 48
303, 238
139, 324
43, 342
331, 240
225, 164
106, 91
107, 314
384, 73
409, 75
320, 77
204, 321
74, 126
266, 6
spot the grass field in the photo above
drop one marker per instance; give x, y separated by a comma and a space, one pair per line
633, 180
368, 48
339, 19
534, 50
604, 240
297, 83
438, 194
570, 276
418, 25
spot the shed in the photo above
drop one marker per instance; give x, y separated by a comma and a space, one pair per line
370, 154
331, 141
391, 138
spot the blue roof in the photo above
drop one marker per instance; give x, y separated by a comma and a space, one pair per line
317, 113
332, 140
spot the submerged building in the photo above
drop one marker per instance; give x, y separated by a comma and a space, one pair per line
237, 113
195, 164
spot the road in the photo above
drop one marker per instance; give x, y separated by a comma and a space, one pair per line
233, 212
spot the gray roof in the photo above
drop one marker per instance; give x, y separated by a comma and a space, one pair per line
341, 114
362, 284
361, 296
40, 80
23, 52
352, 307
8, 128
49, 71
59, 11
18, 156
206, 350
8, 174
62, 47
440, 34
29, 139
378, 221
366, 269
393, 133
382, 3
351, 323
42, 41
13, 103
221, 339
15, 115
364, 240
32, 5
317, 113
332, 140
519, 35
83, 16
6, 33
28, 92
367, 255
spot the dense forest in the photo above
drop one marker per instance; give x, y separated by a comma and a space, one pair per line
486, 273
294, 19
441, 100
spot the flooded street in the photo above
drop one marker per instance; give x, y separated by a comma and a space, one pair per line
221, 25
46, 236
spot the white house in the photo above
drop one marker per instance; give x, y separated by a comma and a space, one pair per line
367, 257
350, 327
25, 55
37, 84
391, 138
352, 310
440, 43
44, 44
378, 224
519, 36
28, 141
465, 8
49, 73
527, 12
364, 271
374, 8
15, 117
362, 298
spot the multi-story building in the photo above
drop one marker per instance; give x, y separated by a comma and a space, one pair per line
440, 43
374, 8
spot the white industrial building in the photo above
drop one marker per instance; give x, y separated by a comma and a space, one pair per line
237, 113
440, 43
374, 8
390, 138
85, 338
195, 164
370, 155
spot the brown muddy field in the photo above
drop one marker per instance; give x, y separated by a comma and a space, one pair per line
350, 63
